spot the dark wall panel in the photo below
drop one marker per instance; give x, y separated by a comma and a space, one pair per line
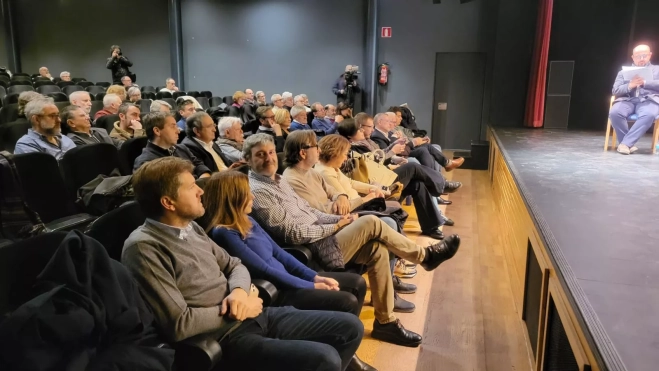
4, 58
301, 46
76, 35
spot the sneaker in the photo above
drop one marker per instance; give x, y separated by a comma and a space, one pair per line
623, 149
633, 149
402, 271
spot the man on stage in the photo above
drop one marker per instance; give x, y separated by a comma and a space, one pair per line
636, 96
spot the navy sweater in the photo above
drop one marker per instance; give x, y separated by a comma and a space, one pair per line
264, 258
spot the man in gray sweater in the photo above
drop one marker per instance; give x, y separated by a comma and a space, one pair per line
195, 287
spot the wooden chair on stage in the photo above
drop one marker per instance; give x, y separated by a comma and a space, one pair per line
630, 120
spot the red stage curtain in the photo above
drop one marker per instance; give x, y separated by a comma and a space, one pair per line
535, 99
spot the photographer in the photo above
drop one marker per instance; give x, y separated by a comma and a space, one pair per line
119, 65
346, 86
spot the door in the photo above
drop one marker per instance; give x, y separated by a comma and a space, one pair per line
458, 99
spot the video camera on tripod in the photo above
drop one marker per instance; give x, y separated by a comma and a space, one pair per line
351, 76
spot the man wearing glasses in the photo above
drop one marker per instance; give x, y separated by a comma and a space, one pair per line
277, 102
268, 126
636, 96
45, 135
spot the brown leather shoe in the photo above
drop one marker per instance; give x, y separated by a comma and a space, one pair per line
455, 163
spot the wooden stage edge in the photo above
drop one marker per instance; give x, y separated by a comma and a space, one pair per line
563, 331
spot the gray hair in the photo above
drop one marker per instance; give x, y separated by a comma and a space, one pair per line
226, 123
304, 96
192, 122
132, 90
157, 104
275, 97
255, 140
124, 77
297, 109
36, 107
259, 92
123, 109
77, 95
168, 79
64, 73
378, 118
111, 98
287, 95
298, 98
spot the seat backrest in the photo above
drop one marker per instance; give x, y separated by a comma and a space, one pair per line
106, 122
82, 164
11, 133
163, 94
97, 105
177, 94
20, 264
10, 98
78, 79
144, 104
20, 83
215, 101
129, 151
228, 99
99, 96
171, 102
94, 89
203, 101
58, 97
39, 83
71, 88
8, 113
85, 84
43, 186
19, 88
47, 89
193, 94
149, 95
103, 84
206, 94
113, 228
147, 88
62, 84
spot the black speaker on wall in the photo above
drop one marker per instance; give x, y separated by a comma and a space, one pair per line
559, 91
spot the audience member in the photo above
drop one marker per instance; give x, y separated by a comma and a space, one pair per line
288, 100
65, 76
337, 239
185, 108
134, 94
119, 90
194, 287
45, 135
170, 86
277, 102
81, 131
111, 103
299, 115
343, 112
127, 83
43, 72
199, 135
635, 96
320, 122
236, 109
330, 113
268, 125
118, 64
81, 99
23, 99
249, 96
231, 138
129, 124
305, 100
160, 106
299, 100
260, 99
162, 132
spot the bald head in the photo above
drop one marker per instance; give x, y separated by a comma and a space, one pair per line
641, 55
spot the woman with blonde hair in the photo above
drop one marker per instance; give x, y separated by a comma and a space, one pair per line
227, 200
237, 109
118, 90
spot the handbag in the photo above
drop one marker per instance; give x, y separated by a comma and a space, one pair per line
355, 169
377, 171
105, 193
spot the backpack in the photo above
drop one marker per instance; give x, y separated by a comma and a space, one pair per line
106, 193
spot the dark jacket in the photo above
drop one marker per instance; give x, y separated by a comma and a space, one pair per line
380, 139
98, 135
119, 67
87, 314
279, 141
152, 152
235, 111
408, 119
200, 152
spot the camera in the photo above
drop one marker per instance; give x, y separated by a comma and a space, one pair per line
351, 75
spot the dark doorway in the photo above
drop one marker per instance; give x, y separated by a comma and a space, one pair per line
458, 99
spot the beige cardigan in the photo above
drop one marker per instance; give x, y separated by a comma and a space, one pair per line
343, 184
318, 193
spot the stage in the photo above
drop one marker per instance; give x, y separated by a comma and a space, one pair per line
597, 216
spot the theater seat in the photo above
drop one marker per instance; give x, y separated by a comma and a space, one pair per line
10, 98
59, 97
97, 105
47, 89
144, 104
82, 164
103, 84
148, 88
62, 84
19, 88
71, 88
94, 89
45, 82
106, 122
129, 151
8, 113
163, 94
11, 133
149, 95
630, 120
85, 84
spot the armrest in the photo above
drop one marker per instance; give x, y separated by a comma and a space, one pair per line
267, 291
69, 223
201, 352
299, 252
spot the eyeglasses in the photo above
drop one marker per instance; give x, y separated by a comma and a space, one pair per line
310, 146
640, 56
52, 116
269, 117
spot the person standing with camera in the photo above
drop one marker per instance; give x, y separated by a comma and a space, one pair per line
346, 86
119, 65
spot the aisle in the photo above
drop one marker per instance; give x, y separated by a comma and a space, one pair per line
464, 309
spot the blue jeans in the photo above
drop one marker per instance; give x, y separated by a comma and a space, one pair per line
284, 338
647, 111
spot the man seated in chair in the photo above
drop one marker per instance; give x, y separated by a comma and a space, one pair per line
81, 130
45, 135
636, 96
111, 103
162, 132
199, 134
194, 287
81, 99
129, 125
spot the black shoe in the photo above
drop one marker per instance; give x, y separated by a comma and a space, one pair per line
451, 186
434, 233
441, 201
403, 306
395, 333
440, 252
449, 222
357, 364
403, 288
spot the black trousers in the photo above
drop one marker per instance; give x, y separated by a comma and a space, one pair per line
426, 211
349, 299
429, 155
434, 181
